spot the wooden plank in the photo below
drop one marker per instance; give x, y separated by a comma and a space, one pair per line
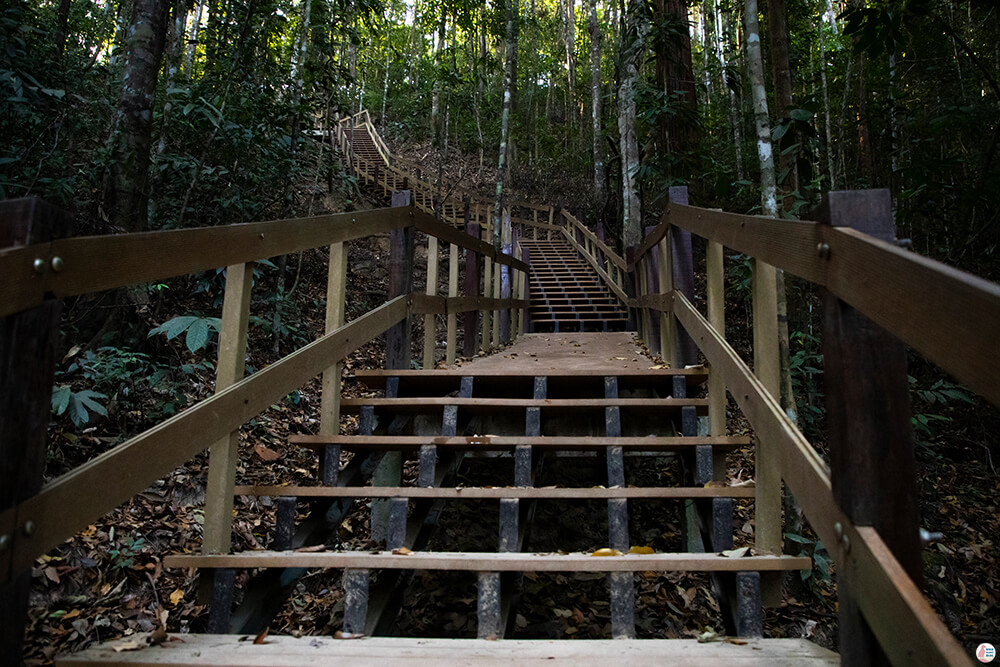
336, 285
452, 339
470, 288
880, 280
486, 315
767, 509
949, 316
69, 503
492, 493
492, 562
352, 405
285, 651
450, 234
374, 377
902, 619
95, 263
397, 339
665, 277
28, 344
612, 285
224, 455
868, 416
716, 303
432, 278
612, 256
652, 443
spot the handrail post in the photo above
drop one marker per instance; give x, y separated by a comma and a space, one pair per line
471, 288
224, 454
429, 319
27, 366
389, 471
682, 270
716, 294
453, 251
868, 415
329, 411
653, 286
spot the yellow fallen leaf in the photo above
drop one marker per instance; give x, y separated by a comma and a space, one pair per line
130, 645
402, 551
176, 596
607, 552
641, 550
734, 640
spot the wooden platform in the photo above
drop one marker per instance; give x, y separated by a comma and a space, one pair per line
560, 353
283, 651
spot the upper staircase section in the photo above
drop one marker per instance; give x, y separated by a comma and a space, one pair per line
576, 281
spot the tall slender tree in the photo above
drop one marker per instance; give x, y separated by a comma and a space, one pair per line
508, 91
594, 27
127, 203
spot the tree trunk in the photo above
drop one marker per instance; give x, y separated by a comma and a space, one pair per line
677, 133
569, 43
735, 117
826, 107
633, 47
436, 93
193, 40
595, 103
129, 196
508, 88
755, 63
781, 71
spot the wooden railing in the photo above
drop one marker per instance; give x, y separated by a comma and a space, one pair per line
449, 201
39, 269
877, 297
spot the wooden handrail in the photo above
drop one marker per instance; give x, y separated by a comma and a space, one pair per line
948, 315
94, 263
904, 622
612, 256
69, 503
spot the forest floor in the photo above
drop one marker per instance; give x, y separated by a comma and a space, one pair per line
108, 582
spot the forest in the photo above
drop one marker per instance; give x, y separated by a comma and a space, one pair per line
144, 115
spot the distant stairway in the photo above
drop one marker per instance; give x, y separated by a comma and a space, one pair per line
566, 294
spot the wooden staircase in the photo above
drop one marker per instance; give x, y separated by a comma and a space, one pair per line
566, 293
526, 419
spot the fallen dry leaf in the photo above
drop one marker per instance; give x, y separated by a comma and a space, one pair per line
607, 552
736, 553
134, 644
176, 596
265, 453
641, 550
734, 640
402, 551
261, 636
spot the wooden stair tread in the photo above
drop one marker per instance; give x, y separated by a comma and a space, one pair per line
286, 651
699, 373
493, 442
548, 405
492, 562
496, 493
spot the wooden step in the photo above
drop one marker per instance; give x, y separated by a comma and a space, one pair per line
505, 442
287, 651
489, 380
489, 406
485, 561
519, 382
495, 493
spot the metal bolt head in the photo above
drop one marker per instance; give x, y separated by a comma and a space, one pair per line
838, 530
38, 265
823, 249
846, 541
57, 264
28, 528
4, 543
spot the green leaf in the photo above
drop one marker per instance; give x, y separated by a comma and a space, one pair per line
197, 335
801, 114
60, 398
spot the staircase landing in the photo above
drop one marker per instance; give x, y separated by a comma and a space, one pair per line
283, 651
547, 353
